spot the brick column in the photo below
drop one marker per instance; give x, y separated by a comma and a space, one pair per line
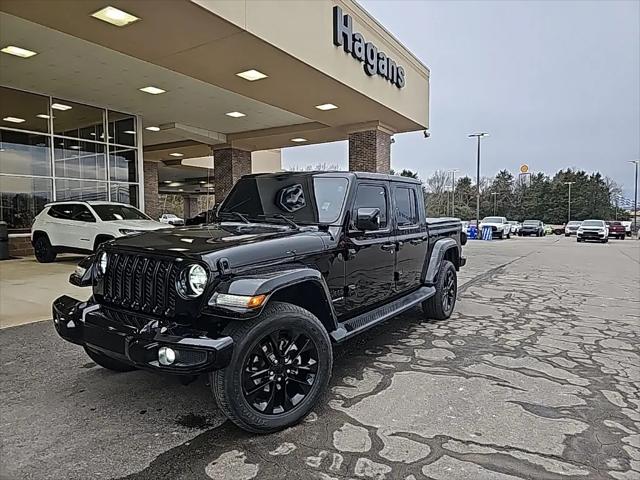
151, 196
229, 164
370, 151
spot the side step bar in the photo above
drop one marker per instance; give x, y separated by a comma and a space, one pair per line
365, 321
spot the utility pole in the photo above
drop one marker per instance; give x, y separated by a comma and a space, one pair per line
635, 199
495, 202
478, 135
453, 191
569, 210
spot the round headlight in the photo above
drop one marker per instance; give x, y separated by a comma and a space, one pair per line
194, 281
102, 263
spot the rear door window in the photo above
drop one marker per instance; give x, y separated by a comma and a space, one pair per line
63, 211
82, 214
407, 211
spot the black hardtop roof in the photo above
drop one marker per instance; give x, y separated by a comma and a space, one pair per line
341, 173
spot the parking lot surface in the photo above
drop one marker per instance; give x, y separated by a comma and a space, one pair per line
535, 376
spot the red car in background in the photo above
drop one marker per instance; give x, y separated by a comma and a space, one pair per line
616, 229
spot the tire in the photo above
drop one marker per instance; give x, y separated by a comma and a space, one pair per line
621, 237
508, 235
567, 234
578, 239
435, 307
250, 338
43, 250
108, 362
500, 235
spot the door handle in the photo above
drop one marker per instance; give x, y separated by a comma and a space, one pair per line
388, 247
416, 241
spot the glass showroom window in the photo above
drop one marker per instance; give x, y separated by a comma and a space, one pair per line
55, 149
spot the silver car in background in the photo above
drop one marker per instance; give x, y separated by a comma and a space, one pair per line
571, 228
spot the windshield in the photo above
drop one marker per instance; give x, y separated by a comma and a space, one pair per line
530, 222
305, 199
593, 223
574, 223
513, 222
108, 213
492, 220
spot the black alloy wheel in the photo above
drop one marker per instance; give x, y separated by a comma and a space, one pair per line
440, 306
280, 371
449, 293
43, 250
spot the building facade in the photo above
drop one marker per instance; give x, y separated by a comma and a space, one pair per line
103, 101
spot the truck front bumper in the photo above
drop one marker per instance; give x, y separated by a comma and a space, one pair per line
86, 324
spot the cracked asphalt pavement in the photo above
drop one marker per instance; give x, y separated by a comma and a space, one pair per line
535, 376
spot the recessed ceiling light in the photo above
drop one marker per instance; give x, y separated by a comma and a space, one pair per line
202, 181
153, 129
17, 51
152, 90
42, 115
75, 147
326, 106
175, 184
13, 119
235, 114
167, 181
177, 154
93, 134
115, 16
61, 106
298, 139
130, 132
180, 190
252, 75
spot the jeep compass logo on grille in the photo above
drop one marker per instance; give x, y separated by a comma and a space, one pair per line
291, 198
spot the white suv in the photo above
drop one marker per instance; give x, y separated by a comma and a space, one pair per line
79, 227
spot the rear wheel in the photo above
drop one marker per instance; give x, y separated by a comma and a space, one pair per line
440, 306
43, 250
280, 367
108, 362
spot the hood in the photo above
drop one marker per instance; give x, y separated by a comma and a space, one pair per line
138, 224
241, 244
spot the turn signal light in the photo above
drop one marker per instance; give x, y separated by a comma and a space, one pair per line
238, 301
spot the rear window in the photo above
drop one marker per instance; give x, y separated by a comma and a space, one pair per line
64, 211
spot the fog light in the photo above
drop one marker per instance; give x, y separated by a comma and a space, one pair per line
166, 356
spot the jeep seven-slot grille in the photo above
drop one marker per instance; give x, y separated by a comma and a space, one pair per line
141, 284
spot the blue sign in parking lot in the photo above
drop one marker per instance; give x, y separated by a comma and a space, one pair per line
487, 233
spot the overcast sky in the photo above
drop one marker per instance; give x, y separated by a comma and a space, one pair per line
556, 84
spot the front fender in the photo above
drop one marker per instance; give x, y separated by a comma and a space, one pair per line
83, 274
438, 252
266, 283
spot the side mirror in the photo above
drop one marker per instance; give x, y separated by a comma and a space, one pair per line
368, 219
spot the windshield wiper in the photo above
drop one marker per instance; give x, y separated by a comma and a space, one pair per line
236, 214
281, 217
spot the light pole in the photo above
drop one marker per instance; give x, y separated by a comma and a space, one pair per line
569, 214
453, 191
635, 199
495, 202
478, 135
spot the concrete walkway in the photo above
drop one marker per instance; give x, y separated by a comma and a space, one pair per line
27, 288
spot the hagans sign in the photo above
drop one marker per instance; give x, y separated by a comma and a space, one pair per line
374, 61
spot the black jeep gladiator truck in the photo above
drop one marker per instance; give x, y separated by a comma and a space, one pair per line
294, 263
